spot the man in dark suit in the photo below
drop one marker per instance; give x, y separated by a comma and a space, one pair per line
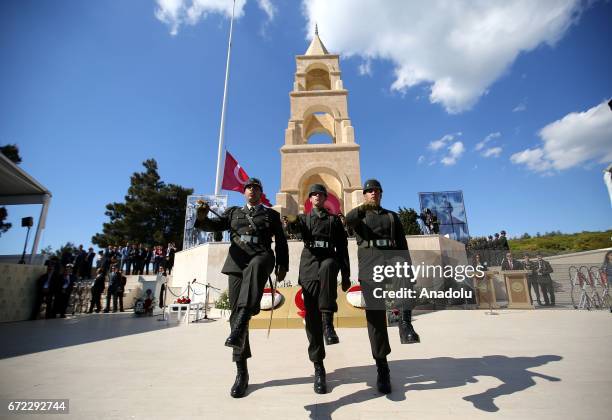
46, 286
79, 260
139, 259
114, 286
96, 291
543, 270
509, 263
249, 263
380, 237
64, 290
148, 255
325, 254
88, 264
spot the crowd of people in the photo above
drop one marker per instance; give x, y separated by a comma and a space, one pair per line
491, 249
111, 266
138, 259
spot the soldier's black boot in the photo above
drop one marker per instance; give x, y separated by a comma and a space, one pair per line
383, 381
407, 333
320, 385
237, 336
242, 380
329, 333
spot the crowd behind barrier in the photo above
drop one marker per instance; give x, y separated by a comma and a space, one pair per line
77, 279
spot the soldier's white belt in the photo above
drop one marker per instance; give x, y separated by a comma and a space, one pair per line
249, 239
379, 243
318, 244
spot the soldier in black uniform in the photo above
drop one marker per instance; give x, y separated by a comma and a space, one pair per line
377, 230
249, 263
325, 254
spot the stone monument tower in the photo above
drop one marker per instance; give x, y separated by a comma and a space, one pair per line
318, 105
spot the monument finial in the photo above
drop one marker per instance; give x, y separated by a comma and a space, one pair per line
316, 29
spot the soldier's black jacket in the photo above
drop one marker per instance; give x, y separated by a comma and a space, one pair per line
265, 223
370, 225
319, 225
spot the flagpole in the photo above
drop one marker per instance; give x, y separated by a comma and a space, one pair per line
220, 160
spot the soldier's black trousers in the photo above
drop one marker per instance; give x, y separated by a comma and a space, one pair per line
245, 291
319, 296
377, 332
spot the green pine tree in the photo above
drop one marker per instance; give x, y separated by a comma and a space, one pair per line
153, 212
408, 217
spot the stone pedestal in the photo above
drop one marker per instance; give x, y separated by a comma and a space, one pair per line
485, 291
518, 292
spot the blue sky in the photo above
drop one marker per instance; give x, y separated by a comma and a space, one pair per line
89, 90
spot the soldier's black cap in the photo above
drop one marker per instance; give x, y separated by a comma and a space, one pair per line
253, 181
317, 188
503, 232
372, 184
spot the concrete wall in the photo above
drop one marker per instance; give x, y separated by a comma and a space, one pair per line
18, 290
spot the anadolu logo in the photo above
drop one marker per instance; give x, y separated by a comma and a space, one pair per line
267, 301
355, 297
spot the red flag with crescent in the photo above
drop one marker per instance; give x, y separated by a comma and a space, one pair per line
234, 178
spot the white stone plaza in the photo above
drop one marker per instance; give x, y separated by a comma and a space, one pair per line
544, 364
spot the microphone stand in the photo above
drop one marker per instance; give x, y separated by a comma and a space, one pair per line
206, 287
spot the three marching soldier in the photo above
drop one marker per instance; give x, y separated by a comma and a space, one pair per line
251, 261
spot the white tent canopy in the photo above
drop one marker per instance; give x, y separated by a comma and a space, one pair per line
18, 187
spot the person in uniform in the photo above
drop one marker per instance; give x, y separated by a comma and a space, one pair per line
543, 270
532, 282
250, 262
325, 254
376, 230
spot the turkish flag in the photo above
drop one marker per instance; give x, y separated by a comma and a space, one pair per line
234, 178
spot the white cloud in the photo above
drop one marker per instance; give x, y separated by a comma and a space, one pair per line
421, 159
520, 108
490, 136
532, 158
454, 153
492, 152
440, 143
458, 49
176, 13
576, 139
365, 68
268, 8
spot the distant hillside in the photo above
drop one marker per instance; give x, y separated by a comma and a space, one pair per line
556, 242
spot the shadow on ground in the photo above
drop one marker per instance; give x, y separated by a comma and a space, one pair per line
425, 374
19, 338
